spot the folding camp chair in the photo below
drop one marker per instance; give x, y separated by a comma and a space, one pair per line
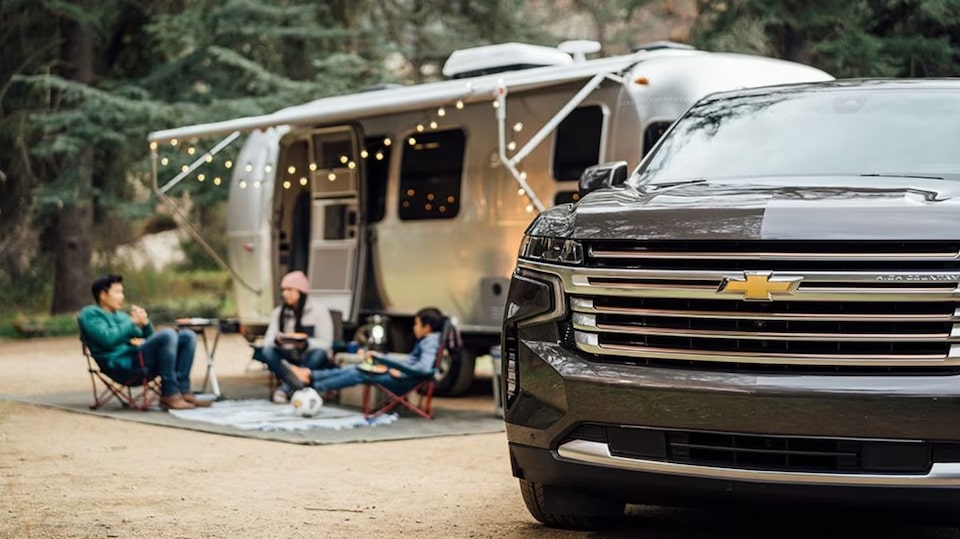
140, 391
398, 392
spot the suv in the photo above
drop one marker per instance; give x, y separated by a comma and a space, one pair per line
766, 309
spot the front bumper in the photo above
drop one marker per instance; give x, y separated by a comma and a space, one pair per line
625, 483
560, 389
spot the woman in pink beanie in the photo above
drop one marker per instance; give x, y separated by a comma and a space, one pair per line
300, 331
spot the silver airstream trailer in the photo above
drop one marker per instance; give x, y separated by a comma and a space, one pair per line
395, 199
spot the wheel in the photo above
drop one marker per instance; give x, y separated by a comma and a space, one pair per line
456, 373
559, 508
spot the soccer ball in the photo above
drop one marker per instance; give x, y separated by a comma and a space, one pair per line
306, 402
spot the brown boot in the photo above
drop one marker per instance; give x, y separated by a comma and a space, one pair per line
175, 402
199, 403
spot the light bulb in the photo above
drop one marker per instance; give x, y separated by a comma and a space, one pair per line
459, 104
517, 127
441, 112
387, 141
227, 164
173, 142
291, 170
303, 181
286, 184
201, 177
191, 150
216, 181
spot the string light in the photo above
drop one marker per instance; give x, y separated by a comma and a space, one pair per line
291, 170
344, 159
523, 175
433, 124
267, 169
351, 165
313, 167
201, 177
512, 145
379, 156
529, 208
184, 168
153, 146
441, 112
303, 181
243, 184
387, 141
248, 167
164, 161
191, 150
216, 181
419, 128
518, 127
208, 158
496, 104
227, 164
412, 141
459, 104
286, 184
256, 184
364, 153
173, 142
332, 177
521, 191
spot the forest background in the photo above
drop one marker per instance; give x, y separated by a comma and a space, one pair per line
82, 82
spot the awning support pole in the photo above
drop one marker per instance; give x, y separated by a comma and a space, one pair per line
192, 230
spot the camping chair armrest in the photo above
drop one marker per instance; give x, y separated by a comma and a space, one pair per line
402, 367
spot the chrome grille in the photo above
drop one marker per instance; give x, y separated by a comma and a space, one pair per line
853, 304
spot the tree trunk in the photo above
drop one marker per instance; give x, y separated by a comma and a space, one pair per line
73, 248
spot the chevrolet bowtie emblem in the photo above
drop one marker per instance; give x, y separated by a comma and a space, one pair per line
757, 286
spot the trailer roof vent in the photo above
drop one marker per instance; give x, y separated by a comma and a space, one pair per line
501, 57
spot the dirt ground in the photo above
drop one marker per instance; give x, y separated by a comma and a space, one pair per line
67, 474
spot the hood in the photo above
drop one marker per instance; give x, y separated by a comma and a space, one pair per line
784, 209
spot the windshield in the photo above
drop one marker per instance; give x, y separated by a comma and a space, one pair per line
836, 131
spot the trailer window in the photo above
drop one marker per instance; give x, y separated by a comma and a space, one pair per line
577, 143
652, 135
376, 157
430, 175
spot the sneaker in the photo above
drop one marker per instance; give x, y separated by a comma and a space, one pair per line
280, 397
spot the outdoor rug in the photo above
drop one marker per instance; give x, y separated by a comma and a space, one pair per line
259, 418
260, 414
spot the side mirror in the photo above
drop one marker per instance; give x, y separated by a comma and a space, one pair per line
602, 175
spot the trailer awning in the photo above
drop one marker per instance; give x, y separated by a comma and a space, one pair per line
365, 104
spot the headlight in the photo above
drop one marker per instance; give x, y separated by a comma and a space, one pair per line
553, 250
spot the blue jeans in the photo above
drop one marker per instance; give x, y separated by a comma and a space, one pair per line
331, 379
313, 359
169, 353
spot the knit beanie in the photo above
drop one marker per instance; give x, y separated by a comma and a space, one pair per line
297, 281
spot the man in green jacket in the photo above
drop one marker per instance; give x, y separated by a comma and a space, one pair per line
115, 338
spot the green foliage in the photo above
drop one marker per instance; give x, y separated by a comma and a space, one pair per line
889, 38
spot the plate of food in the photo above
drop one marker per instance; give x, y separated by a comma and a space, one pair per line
373, 368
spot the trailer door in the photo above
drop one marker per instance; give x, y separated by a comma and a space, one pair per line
337, 247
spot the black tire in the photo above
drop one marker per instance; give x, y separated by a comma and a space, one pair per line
607, 515
456, 373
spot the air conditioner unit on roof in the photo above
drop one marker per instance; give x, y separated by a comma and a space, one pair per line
501, 57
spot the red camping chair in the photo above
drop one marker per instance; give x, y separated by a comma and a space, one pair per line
395, 395
140, 391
